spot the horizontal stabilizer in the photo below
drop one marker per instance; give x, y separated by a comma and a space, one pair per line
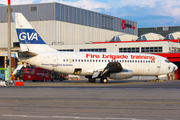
26, 54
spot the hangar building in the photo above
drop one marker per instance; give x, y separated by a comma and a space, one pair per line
62, 24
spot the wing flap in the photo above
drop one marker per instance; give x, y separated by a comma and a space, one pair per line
96, 74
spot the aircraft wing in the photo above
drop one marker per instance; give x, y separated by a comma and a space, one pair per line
110, 68
96, 74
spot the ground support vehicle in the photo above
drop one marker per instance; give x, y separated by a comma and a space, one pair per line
36, 74
2, 73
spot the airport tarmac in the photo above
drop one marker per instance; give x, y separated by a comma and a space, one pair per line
79, 100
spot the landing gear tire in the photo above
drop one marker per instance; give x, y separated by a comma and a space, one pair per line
157, 77
104, 80
61, 79
92, 80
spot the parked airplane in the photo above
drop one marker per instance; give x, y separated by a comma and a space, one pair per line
90, 64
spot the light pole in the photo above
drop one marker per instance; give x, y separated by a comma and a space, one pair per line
9, 40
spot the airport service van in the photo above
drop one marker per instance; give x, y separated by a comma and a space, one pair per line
36, 74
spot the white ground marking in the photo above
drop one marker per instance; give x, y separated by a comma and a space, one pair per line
76, 117
70, 117
25, 116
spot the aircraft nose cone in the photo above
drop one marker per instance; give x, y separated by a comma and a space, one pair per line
175, 67
172, 67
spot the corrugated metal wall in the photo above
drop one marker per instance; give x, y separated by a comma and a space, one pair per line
66, 33
3, 35
69, 33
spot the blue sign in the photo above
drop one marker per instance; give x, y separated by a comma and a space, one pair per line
29, 36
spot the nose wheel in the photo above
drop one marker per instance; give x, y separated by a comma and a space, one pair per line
104, 80
157, 77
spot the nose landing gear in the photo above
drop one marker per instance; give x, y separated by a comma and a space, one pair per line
92, 80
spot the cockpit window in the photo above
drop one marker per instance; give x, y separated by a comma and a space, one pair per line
167, 61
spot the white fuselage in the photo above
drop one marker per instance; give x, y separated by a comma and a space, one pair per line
91, 64
67, 62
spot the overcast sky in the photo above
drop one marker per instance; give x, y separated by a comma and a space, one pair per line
148, 13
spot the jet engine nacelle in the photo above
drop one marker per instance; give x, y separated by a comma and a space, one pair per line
121, 75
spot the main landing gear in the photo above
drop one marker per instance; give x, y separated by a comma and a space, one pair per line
103, 80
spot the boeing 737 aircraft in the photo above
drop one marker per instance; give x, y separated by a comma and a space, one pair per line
93, 65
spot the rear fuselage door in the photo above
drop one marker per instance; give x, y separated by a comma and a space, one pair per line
54, 61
